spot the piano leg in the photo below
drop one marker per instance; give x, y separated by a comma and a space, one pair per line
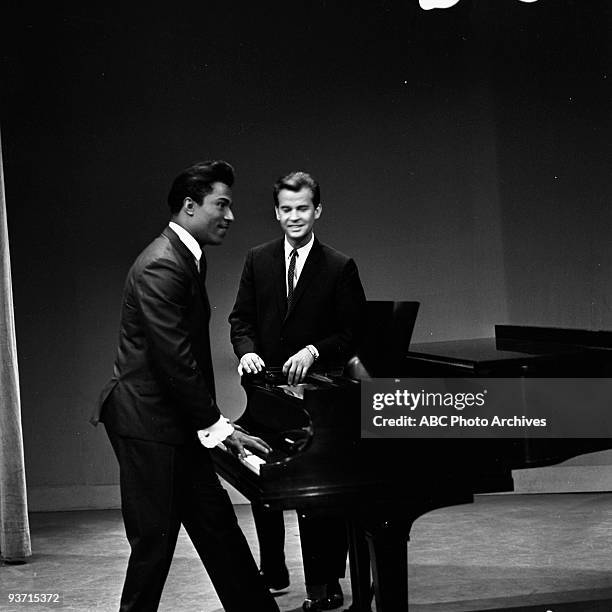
359, 563
388, 545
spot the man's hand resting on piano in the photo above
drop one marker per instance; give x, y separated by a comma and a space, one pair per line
238, 441
297, 366
250, 363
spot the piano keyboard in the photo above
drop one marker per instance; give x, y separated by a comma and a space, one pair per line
253, 462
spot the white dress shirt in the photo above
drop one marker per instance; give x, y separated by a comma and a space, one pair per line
217, 432
188, 240
300, 260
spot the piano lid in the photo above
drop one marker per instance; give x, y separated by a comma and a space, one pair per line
515, 345
488, 350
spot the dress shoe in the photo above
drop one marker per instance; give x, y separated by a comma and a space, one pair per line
334, 598
276, 581
313, 605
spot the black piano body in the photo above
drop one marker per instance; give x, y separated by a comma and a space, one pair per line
321, 464
523, 352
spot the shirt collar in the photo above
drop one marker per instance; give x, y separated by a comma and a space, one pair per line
187, 239
302, 251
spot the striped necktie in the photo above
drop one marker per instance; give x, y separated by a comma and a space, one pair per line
291, 277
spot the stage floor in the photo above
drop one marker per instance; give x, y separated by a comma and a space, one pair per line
504, 552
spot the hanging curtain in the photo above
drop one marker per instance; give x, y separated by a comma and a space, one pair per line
14, 527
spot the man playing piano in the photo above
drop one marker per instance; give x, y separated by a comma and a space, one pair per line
299, 307
160, 411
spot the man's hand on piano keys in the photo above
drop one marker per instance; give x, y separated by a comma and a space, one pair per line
239, 441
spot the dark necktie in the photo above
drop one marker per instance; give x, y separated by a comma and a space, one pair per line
290, 277
202, 274
202, 269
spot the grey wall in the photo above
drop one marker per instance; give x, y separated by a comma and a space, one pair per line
463, 157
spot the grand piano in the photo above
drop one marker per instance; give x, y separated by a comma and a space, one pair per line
320, 463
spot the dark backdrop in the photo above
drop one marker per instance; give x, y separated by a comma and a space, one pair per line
463, 156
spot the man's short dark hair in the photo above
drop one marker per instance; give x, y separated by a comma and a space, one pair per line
294, 181
197, 180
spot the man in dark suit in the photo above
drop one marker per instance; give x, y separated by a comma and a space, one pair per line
299, 306
160, 412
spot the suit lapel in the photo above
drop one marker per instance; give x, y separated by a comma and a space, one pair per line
278, 274
190, 263
202, 279
309, 271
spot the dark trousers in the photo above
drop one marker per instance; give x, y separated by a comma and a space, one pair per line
323, 540
162, 487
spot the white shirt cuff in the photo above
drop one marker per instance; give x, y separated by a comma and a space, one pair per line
217, 432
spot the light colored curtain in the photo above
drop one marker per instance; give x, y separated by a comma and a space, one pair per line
14, 527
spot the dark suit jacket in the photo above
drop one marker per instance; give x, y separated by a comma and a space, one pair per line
163, 387
327, 309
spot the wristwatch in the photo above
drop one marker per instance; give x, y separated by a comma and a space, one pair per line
313, 351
